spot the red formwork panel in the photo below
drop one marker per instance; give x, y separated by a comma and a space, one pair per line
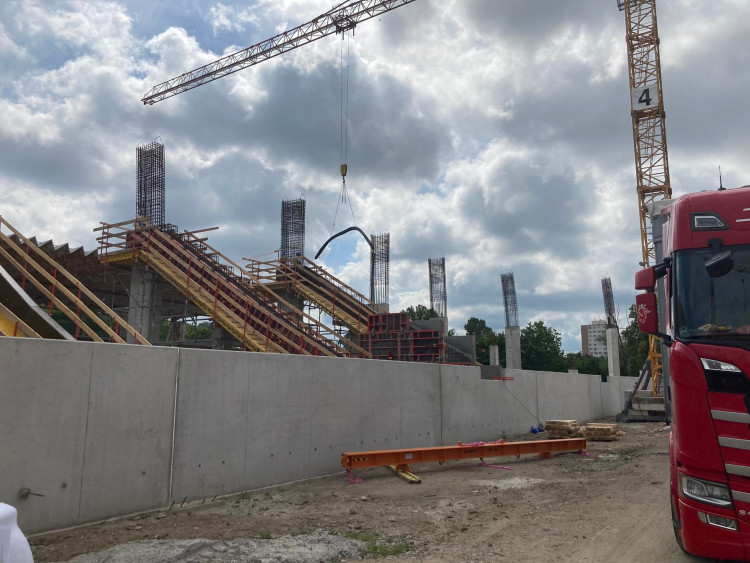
388, 322
409, 345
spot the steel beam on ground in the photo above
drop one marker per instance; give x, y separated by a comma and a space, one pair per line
358, 460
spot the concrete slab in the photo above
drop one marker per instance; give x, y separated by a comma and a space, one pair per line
43, 406
129, 431
380, 404
518, 401
420, 406
337, 410
564, 396
280, 413
461, 417
211, 434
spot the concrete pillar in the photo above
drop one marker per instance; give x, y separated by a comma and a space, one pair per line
145, 299
513, 347
613, 352
221, 339
444, 325
494, 355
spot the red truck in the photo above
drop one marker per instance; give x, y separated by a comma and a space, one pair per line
702, 277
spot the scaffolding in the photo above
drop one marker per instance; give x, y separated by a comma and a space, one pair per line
292, 228
438, 292
609, 303
150, 179
379, 266
509, 299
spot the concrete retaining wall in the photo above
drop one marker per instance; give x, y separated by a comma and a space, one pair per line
103, 430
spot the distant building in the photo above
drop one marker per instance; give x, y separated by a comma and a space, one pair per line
594, 339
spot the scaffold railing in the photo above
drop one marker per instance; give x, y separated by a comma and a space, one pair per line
233, 296
63, 291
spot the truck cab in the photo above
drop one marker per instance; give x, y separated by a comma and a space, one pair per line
702, 279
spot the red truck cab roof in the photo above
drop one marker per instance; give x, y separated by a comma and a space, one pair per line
695, 218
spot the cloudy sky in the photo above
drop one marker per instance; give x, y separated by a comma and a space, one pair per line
495, 133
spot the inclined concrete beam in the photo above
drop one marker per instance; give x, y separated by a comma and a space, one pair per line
613, 352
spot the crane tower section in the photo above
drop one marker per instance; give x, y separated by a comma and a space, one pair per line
649, 132
647, 112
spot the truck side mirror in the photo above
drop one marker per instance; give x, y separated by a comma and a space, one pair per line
645, 278
645, 309
719, 264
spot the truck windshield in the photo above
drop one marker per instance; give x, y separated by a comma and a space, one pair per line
712, 307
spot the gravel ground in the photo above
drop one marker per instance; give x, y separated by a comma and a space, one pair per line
611, 505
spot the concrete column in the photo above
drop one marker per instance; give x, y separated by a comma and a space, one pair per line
613, 352
513, 347
222, 340
494, 355
444, 321
145, 299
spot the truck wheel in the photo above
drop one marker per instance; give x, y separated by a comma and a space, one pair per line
676, 524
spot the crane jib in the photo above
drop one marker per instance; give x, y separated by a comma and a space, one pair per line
339, 20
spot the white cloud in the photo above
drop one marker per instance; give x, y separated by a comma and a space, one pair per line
229, 18
494, 134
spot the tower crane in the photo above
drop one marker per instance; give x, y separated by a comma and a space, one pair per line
339, 19
649, 133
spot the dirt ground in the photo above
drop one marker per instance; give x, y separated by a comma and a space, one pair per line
609, 506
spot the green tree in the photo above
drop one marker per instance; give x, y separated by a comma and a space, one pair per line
587, 364
200, 331
634, 347
540, 348
484, 337
420, 313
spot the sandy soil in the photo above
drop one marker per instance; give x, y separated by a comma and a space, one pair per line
609, 506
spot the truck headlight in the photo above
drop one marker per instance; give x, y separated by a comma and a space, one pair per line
706, 491
723, 377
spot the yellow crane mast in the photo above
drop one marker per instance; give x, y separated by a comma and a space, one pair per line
649, 132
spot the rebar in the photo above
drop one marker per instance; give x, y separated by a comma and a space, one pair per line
509, 299
379, 267
150, 179
292, 228
438, 292
609, 302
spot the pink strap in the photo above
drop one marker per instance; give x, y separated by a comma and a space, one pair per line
481, 462
352, 480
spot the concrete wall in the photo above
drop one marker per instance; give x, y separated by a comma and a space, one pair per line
103, 429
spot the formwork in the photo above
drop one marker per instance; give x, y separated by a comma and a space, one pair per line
390, 337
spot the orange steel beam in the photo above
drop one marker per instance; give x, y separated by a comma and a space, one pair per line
376, 458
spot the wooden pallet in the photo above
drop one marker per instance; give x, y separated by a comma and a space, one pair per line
559, 429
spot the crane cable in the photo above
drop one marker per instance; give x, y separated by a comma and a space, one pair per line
344, 132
